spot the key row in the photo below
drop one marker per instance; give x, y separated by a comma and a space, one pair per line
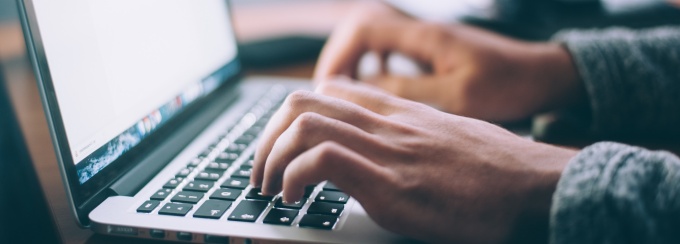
319, 215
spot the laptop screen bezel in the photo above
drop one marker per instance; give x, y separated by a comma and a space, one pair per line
95, 188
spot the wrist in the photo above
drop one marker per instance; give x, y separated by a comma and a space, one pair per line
556, 74
547, 163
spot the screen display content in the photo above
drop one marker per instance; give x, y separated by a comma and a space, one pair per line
119, 74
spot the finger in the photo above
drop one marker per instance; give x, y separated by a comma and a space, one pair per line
304, 101
342, 52
350, 171
426, 89
366, 96
310, 130
350, 41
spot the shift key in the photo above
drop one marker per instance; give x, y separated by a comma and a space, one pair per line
248, 211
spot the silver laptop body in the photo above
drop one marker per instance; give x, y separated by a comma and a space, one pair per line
151, 120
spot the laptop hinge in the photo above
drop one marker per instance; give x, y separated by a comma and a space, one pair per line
137, 177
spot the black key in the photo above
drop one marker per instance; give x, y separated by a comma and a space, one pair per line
235, 148
256, 194
248, 211
245, 139
262, 122
242, 173
249, 163
318, 221
226, 194
187, 197
254, 130
173, 183
218, 166
161, 194
309, 190
148, 206
199, 185
330, 187
209, 175
212, 209
292, 205
235, 183
324, 208
246, 166
332, 196
280, 217
177, 209
184, 172
221, 160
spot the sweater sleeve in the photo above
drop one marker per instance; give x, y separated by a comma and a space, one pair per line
632, 79
613, 193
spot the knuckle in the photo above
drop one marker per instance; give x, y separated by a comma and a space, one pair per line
363, 14
307, 122
326, 88
432, 33
326, 153
299, 98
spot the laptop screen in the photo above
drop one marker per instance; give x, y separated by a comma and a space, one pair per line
122, 68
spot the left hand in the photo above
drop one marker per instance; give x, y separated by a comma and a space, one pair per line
416, 171
469, 71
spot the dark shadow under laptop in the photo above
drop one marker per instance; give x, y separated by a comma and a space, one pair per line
24, 213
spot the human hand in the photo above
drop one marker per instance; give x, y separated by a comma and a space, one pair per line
416, 171
468, 71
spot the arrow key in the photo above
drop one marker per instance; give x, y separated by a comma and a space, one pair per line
212, 209
280, 217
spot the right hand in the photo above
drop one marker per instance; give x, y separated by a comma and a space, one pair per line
469, 71
416, 171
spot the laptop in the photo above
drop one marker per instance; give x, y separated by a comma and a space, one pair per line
22, 201
153, 124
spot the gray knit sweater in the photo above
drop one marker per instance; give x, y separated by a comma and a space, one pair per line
614, 193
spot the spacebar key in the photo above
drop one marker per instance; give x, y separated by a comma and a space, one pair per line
248, 211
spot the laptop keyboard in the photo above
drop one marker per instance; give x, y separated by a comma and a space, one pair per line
215, 185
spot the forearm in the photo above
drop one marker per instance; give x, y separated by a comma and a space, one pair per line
631, 78
613, 193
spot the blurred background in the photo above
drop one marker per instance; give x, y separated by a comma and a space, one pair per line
282, 32
284, 38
